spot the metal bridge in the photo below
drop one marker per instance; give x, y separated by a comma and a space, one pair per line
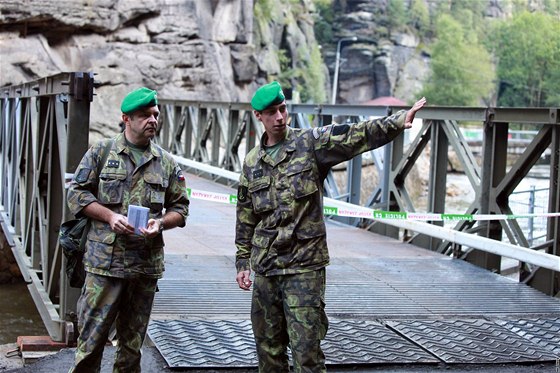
399, 290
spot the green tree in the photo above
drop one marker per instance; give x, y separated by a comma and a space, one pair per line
528, 52
552, 7
324, 19
419, 16
462, 71
396, 18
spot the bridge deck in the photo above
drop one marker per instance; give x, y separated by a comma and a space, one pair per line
388, 302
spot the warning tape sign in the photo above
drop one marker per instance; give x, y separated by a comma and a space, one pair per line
366, 213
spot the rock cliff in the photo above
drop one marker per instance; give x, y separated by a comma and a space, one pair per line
185, 49
202, 49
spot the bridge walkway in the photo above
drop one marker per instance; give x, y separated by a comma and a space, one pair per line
389, 303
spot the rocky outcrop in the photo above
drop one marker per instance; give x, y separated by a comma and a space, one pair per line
186, 49
379, 63
205, 50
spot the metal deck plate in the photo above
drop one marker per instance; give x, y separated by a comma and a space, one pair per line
226, 343
471, 341
199, 343
382, 311
542, 331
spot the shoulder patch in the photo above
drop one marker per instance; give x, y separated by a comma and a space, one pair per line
82, 175
340, 129
242, 193
318, 131
179, 174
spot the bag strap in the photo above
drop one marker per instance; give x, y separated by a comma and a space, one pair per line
104, 155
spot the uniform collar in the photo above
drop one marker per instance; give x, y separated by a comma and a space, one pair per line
121, 145
288, 146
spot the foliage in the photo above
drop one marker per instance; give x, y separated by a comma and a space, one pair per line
419, 17
528, 53
396, 15
324, 20
462, 73
303, 72
308, 80
314, 78
263, 9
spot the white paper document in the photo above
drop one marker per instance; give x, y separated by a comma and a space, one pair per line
138, 217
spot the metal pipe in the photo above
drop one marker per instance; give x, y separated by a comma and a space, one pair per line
337, 66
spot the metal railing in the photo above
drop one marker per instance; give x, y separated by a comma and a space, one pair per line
44, 133
220, 134
37, 158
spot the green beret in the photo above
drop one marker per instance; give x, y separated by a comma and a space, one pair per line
269, 94
137, 99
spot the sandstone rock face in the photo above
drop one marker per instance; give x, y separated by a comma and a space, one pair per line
375, 65
212, 50
185, 49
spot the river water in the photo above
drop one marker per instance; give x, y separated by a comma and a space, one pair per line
18, 314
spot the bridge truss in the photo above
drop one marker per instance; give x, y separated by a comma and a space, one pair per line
44, 133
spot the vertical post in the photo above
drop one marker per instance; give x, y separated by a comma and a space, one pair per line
546, 280
77, 130
337, 66
494, 160
531, 211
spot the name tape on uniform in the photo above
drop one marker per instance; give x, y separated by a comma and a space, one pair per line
364, 212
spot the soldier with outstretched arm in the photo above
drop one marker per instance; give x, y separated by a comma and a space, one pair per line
280, 228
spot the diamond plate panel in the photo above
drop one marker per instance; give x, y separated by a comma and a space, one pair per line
198, 343
369, 342
219, 343
471, 341
544, 332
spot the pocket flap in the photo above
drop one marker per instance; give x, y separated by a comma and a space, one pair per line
260, 183
309, 230
152, 178
263, 238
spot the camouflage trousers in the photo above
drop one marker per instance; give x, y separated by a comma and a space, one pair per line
105, 300
290, 310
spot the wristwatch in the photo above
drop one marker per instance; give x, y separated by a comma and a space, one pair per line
160, 222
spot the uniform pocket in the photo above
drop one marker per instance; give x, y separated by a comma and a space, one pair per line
263, 238
261, 194
99, 253
302, 180
311, 229
111, 187
155, 190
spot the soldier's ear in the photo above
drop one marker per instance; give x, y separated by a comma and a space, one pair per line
258, 115
125, 119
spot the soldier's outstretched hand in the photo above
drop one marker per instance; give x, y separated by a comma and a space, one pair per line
412, 112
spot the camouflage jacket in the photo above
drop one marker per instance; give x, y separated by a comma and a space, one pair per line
157, 183
280, 227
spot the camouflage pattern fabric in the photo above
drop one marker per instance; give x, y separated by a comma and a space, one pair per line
156, 182
104, 300
280, 226
122, 270
285, 310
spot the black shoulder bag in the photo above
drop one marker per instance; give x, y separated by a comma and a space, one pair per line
73, 236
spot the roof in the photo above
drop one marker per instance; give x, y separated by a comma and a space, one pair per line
385, 101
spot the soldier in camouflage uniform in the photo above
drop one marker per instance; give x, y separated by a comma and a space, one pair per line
122, 268
280, 230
